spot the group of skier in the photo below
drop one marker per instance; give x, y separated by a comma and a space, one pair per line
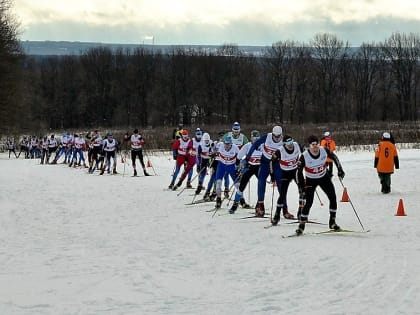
272, 155
74, 149
230, 157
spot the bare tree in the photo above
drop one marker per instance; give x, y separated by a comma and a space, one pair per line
10, 55
403, 52
329, 53
364, 80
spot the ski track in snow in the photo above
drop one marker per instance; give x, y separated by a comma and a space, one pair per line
75, 243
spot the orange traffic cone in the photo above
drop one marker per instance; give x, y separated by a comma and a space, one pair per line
149, 164
345, 196
400, 210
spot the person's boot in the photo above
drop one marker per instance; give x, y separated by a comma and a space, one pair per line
333, 225
199, 188
145, 173
171, 185
135, 173
218, 202
179, 184
244, 204
226, 193
276, 217
189, 184
287, 214
301, 228
259, 209
234, 207
213, 196
206, 196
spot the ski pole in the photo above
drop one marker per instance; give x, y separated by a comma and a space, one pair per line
192, 179
198, 174
319, 198
149, 163
123, 159
238, 180
351, 203
272, 204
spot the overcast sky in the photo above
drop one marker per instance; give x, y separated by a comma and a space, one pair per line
244, 22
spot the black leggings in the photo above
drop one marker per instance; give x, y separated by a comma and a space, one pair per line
286, 178
327, 186
134, 154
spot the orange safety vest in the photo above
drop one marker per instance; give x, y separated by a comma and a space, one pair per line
328, 143
385, 153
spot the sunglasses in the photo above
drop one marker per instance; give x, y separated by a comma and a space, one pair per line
276, 136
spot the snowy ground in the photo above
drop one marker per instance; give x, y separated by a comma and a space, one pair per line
74, 243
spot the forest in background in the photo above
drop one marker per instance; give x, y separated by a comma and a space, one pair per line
322, 83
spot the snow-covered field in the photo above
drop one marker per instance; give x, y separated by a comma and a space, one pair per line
75, 243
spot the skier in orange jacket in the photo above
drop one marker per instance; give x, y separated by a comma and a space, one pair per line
386, 156
328, 142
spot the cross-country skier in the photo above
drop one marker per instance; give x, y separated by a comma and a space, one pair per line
181, 149
247, 169
136, 143
312, 172
288, 157
203, 158
110, 148
271, 143
226, 156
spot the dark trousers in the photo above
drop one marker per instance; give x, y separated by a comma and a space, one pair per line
327, 186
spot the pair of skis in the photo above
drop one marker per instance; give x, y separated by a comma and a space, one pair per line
341, 231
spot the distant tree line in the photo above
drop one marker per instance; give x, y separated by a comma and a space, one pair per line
322, 81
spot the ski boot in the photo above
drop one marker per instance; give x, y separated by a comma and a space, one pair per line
145, 173
213, 196
135, 173
234, 207
275, 220
218, 202
244, 204
259, 209
206, 196
199, 188
287, 214
226, 192
177, 185
171, 185
333, 225
189, 186
114, 171
301, 228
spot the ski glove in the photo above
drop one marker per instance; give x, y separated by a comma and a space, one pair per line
276, 155
244, 164
341, 173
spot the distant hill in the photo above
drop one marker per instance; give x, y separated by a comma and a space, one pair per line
76, 48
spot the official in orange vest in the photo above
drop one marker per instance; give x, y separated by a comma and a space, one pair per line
386, 157
328, 142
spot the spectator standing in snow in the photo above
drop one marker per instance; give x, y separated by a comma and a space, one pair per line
328, 142
386, 157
